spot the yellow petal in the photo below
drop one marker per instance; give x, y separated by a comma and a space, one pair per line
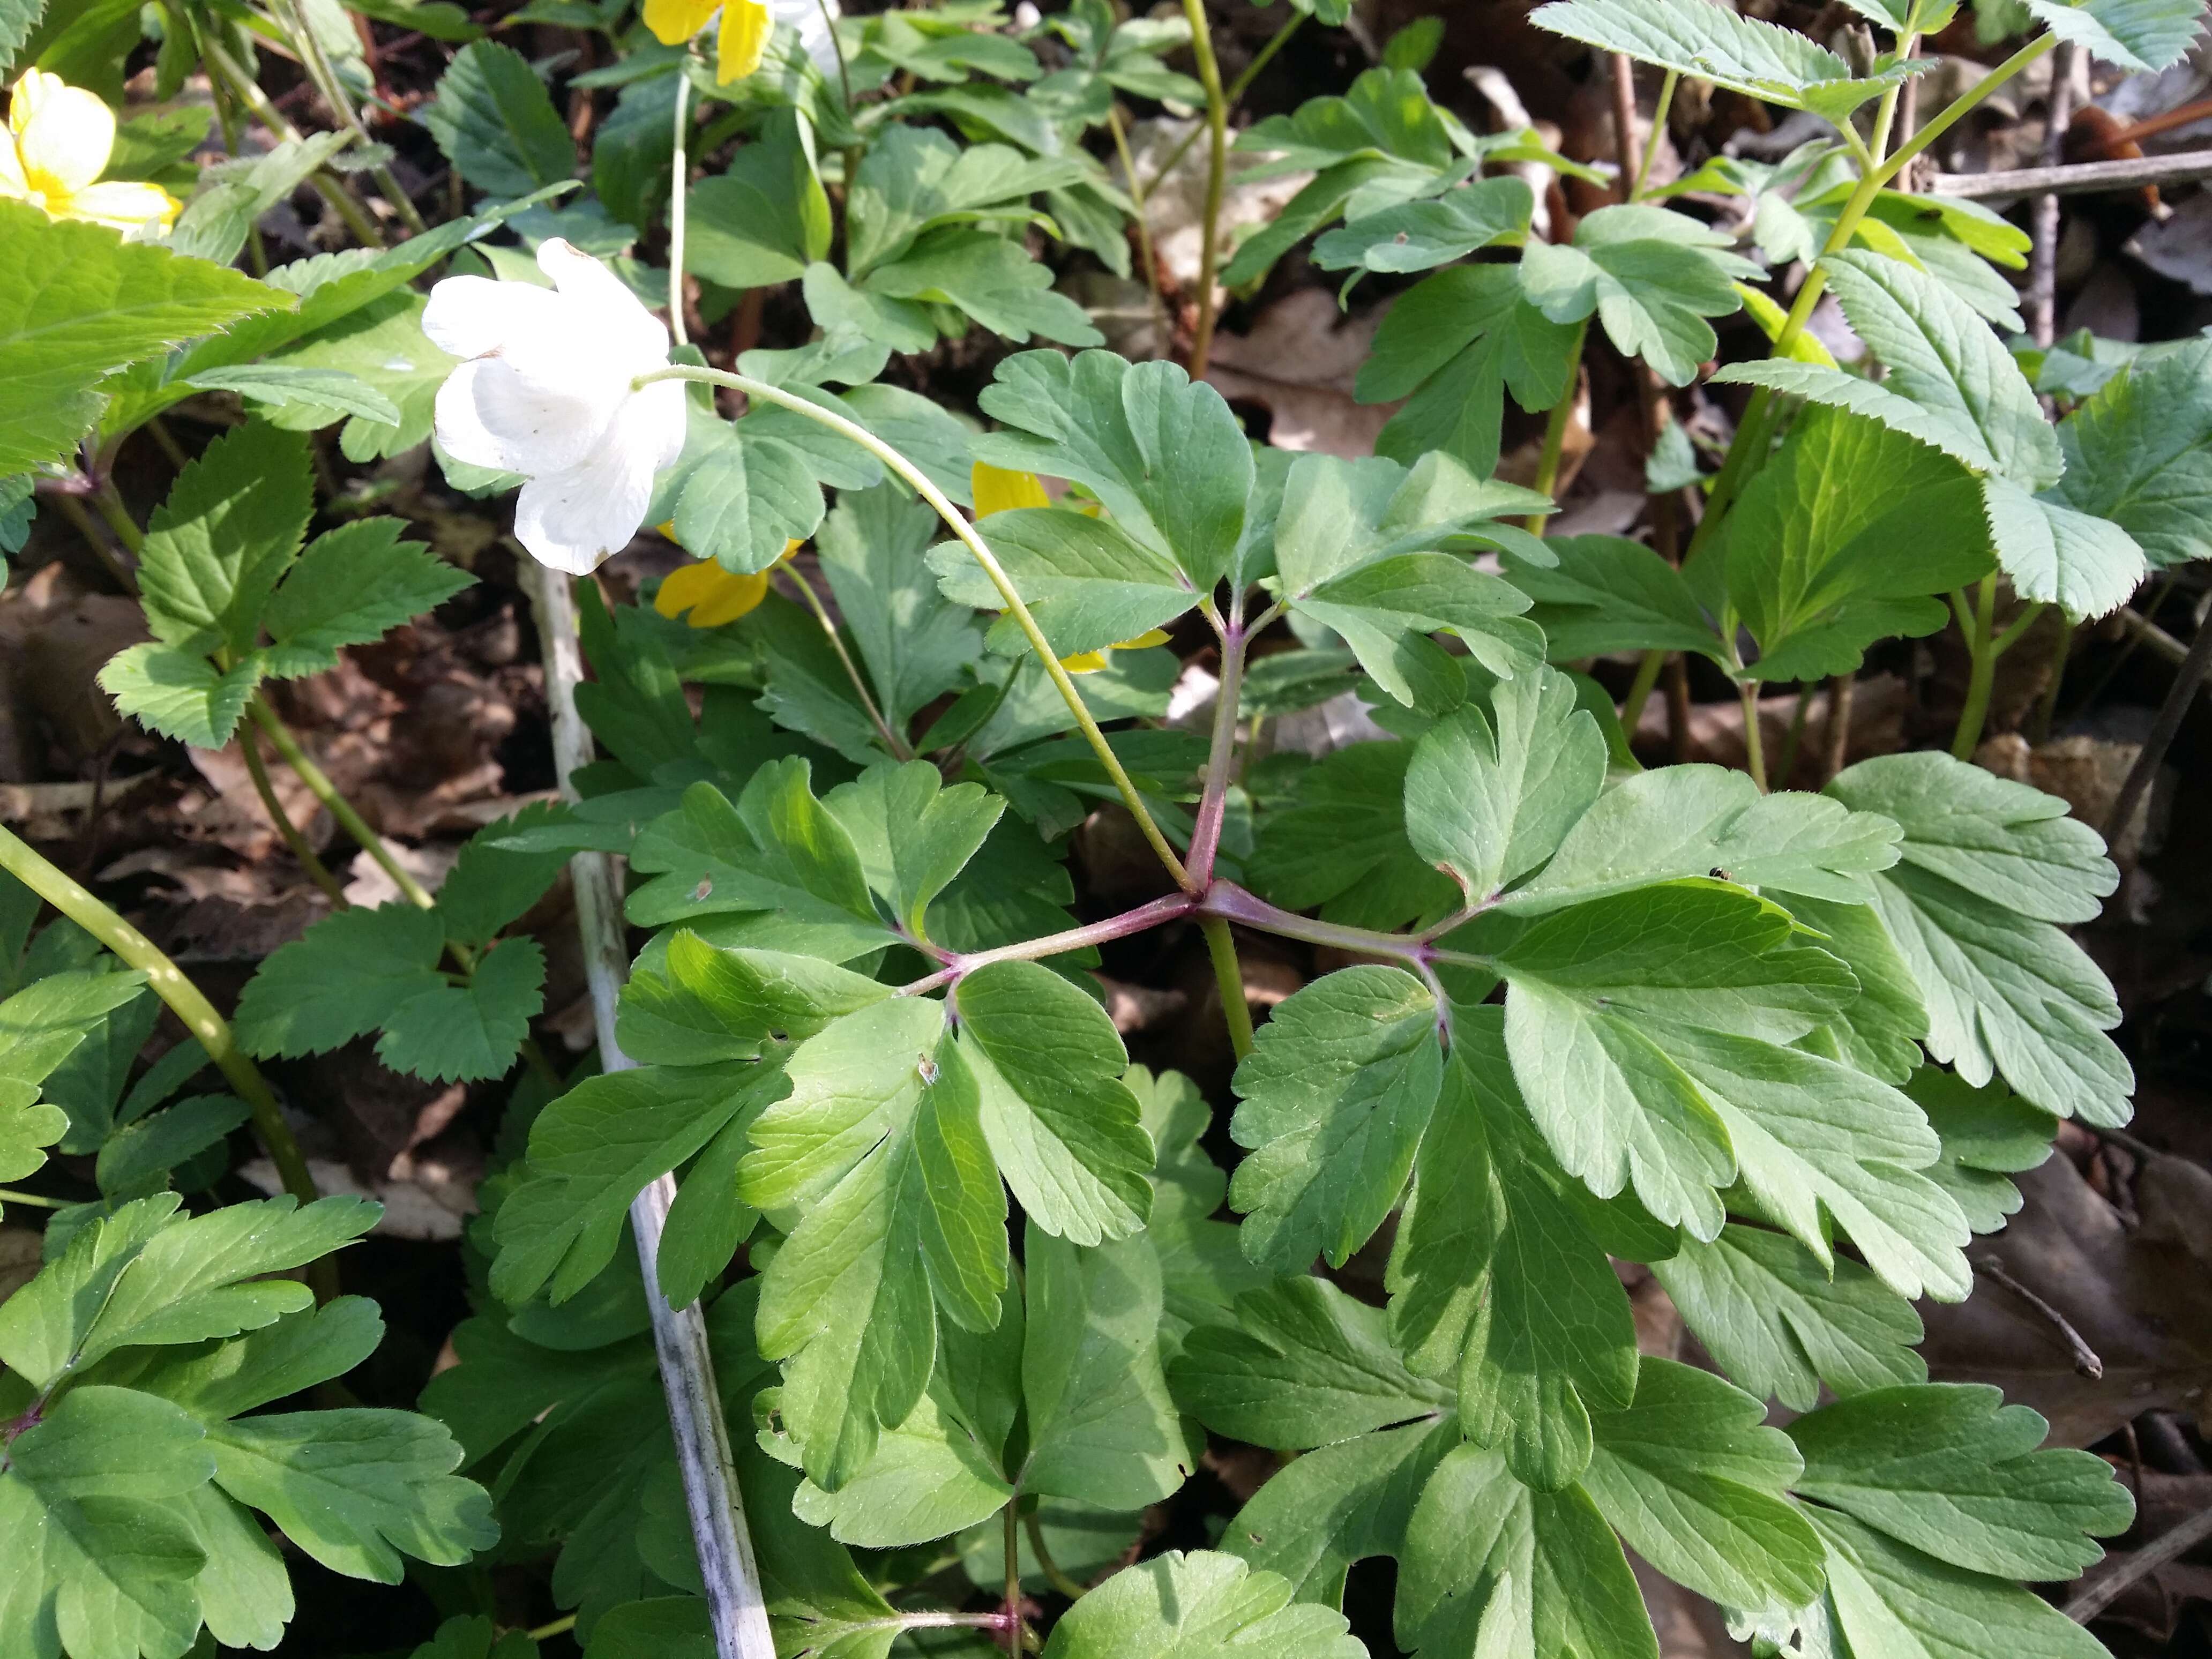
63, 133
746, 27
713, 595
1151, 636
675, 22
121, 204
1084, 662
668, 529
998, 490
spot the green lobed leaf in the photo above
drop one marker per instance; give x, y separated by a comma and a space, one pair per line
912, 833
465, 1033
351, 586
1088, 583
181, 694
232, 524
495, 123
1607, 593
2085, 565
1651, 276
345, 977
1333, 1101
764, 218
2135, 34
1178, 1607
2139, 453
331, 394
915, 645
1338, 843
1712, 44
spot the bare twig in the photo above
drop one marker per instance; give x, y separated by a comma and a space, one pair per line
2170, 712
2177, 1541
2043, 260
679, 1334
2077, 177
2085, 1357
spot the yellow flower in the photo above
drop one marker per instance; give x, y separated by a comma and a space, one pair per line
59, 138
746, 28
713, 595
998, 490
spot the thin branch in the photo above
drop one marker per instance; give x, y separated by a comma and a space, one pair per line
734, 1602
2162, 730
2093, 1598
1230, 902
1054, 1574
2077, 177
288, 748
2043, 256
1221, 751
2085, 1361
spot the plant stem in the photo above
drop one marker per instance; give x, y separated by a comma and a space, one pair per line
1137, 198
678, 188
324, 75
1143, 918
1659, 112
185, 999
1230, 902
1639, 692
9, 1195
1217, 177
837, 47
109, 501
2046, 706
900, 748
1221, 752
1754, 742
288, 747
1013, 1545
1237, 89
735, 1607
1059, 1579
546, 1631
340, 199
117, 564
318, 871
1975, 624
1555, 430
919, 482
1236, 1012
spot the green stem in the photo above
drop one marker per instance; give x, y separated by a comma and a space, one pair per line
678, 184
1639, 692
1221, 946
185, 999
1237, 89
552, 1628
1964, 105
324, 75
1976, 624
957, 522
109, 501
2013, 629
1555, 430
318, 871
1059, 1579
2046, 706
1013, 1544
1136, 198
340, 199
288, 747
837, 47
1754, 744
900, 749
9, 1195
117, 564
1658, 127
1217, 177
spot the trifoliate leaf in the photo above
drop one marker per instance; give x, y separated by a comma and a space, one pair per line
913, 835
1451, 347
2006, 990
594, 1150
1489, 796
465, 1033
140, 1278
351, 586
491, 885
1333, 1098
1338, 1505
1698, 1487
1181, 1607
1165, 456
1690, 821
1339, 844
1065, 1130
345, 977
1650, 276
875, 1165
357, 1489
1781, 1326
991, 279
1951, 1470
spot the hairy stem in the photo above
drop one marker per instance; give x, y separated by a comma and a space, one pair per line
1975, 624
318, 871
288, 748
735, 1607
678, 188
186, 1000
1555, 430
117, 562
900, 748
957, 523
1236, 1012
1217, 177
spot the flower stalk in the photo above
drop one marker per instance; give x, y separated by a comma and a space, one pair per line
1217, 177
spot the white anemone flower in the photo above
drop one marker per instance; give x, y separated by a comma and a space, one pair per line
547, 392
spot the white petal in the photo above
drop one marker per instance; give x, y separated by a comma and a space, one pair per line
620, 324
468, 316
654, 421
490, 413
575, 520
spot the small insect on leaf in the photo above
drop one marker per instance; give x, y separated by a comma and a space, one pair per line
698, 893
